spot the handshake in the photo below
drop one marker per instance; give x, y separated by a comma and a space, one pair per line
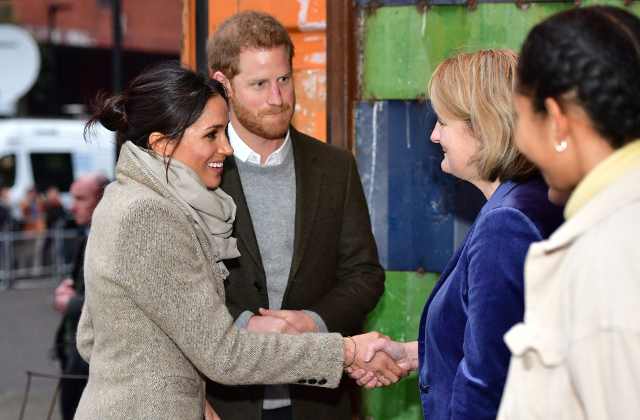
374, 360
371, 359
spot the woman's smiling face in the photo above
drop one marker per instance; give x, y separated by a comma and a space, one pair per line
459, 146
204, 145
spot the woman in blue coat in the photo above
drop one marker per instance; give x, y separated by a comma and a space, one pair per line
460, 353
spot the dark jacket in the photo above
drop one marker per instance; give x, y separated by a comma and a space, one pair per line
334, 272
480, 295
66, 351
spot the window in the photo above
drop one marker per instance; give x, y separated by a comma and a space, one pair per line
52, 169
7, 170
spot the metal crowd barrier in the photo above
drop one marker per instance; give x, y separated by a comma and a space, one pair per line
35, 256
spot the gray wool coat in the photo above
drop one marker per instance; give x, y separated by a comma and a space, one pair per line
155, 324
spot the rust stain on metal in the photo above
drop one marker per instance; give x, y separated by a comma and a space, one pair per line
422, 6
472, 5
422, 98
373, 7
373, 99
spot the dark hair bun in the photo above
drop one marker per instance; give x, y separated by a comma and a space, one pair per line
110, 112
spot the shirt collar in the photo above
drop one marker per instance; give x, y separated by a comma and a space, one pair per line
246, 154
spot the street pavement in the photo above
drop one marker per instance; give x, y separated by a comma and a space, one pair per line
27, 327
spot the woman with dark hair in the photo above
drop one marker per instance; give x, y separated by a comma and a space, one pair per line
154, 322
460, 353
577, 353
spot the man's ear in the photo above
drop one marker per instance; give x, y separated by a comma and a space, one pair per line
159, 143
220, 77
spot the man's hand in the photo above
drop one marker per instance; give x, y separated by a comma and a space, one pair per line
64, 293
270, 324
209, 414
381, 370
301, 320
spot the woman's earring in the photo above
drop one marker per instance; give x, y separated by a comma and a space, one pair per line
561, 147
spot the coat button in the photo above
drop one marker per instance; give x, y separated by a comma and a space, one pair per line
322, 381
313, 381
257, 285
424, 389
302, 381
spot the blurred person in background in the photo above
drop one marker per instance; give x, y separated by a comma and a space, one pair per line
69, 296
55, 213
34, 226
7, 223
303, 225
577, 353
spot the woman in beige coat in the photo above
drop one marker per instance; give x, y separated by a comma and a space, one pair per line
154, 322
577, 353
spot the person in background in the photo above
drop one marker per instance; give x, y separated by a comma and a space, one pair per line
7, 222
308, 260
35, 228
69, 296
55, 214
577, 353
460, 353
154, 322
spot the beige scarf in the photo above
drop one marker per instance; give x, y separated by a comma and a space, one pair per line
214, 210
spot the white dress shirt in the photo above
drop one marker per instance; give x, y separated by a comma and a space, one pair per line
246, 154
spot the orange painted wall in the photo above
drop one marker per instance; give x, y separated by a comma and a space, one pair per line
306, 22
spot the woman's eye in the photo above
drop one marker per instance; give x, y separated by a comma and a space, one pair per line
212, 135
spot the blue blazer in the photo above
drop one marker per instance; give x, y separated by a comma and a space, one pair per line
480, 295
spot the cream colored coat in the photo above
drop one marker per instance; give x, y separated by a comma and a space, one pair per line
155, 322
577, 354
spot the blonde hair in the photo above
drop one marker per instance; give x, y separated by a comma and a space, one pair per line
478, 88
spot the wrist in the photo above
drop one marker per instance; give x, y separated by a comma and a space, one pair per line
349, 351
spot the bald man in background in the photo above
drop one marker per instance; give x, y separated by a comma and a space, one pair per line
69, 299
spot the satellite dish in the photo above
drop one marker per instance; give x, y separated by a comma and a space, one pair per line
20, 58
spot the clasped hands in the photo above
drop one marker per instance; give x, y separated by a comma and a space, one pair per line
378, 361
403, 355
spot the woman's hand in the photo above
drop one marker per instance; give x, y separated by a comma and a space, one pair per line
299, 319
271, 324
405, 355
381, 370
209, 414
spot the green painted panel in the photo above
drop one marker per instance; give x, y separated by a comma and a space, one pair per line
398, 316
402, 46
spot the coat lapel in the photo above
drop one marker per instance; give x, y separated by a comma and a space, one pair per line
308, 182
244, 231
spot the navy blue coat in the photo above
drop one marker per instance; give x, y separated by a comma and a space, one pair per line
480, 295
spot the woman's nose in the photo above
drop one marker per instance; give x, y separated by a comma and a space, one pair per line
225, 147
435, 135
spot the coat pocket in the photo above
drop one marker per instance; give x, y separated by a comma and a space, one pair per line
538, 384
178, 385
523, 339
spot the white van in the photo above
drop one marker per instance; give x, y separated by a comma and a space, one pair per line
49, 152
